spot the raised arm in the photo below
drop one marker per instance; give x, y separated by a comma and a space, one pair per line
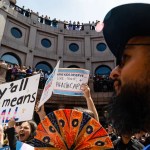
11, 134
90, 104
40, 111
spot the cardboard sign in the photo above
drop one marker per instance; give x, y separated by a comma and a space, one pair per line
23, 146
17, 99
69, 81
49, 86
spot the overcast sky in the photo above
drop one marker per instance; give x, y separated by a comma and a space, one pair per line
74, 10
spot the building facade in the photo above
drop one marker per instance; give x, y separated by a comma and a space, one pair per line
27, 41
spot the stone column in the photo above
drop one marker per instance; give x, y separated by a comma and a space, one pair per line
31, 46
3, 17
61, 25
60, 49
34, 17
88, 53
3, 70
87, 27
6, 2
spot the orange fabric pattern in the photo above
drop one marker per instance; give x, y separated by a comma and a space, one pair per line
69, 129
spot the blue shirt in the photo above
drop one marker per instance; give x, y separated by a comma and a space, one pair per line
147, 147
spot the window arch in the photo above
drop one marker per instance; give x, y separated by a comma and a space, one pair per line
73, 66
45, 66
11, 58
103, 70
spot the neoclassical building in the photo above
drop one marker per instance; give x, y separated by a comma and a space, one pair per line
25, 40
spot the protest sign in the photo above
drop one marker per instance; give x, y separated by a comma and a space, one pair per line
49, 85
23, 146
17, 99
69, 81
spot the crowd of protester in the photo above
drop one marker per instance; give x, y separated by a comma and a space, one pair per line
15, 72
24, 131
69, 25
128, 142
102, 83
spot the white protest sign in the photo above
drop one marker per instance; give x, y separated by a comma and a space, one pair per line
23, 146
17, 99
49, 85
69, 81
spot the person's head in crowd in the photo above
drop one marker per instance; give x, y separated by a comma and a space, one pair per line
30, 67
15, 66
40, 70
34, 69
1, 135
139, 135
27, 130
87, 111
24, 67
2, 61
110, 128
127, 34
9, 66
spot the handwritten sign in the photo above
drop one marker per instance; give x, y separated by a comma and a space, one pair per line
23, 146
69, 81
17, 99
49, 86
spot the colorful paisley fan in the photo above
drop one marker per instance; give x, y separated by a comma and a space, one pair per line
69, 129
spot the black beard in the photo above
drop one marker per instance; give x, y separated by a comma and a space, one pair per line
130, 110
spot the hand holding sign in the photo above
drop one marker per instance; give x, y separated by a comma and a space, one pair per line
40, 111
11, 123
90, 104
86, 91
64, 81
69, 81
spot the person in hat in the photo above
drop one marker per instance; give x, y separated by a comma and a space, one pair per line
111, 132
127, 34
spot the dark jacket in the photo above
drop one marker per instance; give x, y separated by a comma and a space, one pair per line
131, 145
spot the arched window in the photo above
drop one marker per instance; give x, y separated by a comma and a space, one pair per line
73, 66
46, 67
103, 70
102, 83
11, 58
